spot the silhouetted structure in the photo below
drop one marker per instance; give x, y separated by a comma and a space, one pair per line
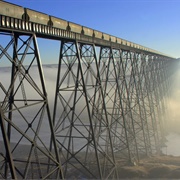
110, 100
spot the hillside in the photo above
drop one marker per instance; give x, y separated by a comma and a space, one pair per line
164, 167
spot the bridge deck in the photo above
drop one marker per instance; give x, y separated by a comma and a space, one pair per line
106, 103
23, 20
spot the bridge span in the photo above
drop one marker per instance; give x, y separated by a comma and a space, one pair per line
110, 101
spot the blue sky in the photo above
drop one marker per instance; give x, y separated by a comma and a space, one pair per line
152, 23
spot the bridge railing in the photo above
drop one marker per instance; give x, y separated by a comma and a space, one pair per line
63, 29
109, 102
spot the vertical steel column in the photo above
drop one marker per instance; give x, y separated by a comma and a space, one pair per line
131, 103
147, 90
127, 73
8, 158
42, 80
116, 104
144, 99
166, 86
151, 99
119, 122
139, 113
109, 84
159, 94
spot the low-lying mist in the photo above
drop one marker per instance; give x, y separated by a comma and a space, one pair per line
173, 101
173, 123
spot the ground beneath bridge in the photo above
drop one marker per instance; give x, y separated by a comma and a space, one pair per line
159, 167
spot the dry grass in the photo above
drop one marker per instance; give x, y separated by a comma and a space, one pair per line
157, 167
163, 167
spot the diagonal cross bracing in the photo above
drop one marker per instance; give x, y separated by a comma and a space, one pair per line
109, 109
110, 104
35, 161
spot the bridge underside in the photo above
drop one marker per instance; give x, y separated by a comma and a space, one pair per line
110, 109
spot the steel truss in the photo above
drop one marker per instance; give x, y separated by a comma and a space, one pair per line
109, 109
82, 127
22, 116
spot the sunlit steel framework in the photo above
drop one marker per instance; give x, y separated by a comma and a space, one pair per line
22, 115
109, 109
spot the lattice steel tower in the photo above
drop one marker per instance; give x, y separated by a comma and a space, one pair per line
110, 102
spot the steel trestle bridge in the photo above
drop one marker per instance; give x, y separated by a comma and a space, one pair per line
110, 103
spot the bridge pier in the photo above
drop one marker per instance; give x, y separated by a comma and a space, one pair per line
82, 117
109, 109
24, 109
114, 100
